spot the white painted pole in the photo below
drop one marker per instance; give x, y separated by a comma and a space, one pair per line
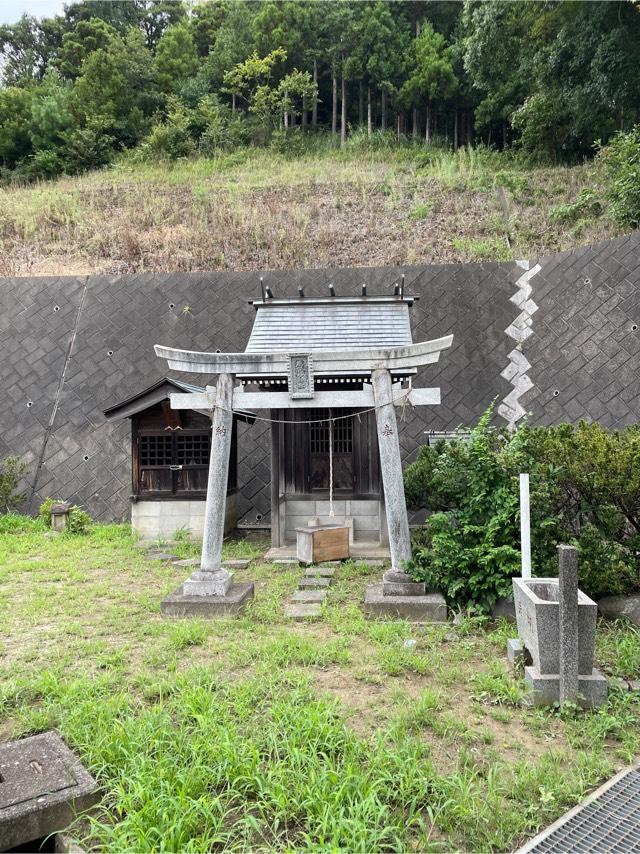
525, 526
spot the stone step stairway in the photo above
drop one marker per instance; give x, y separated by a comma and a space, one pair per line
306, 602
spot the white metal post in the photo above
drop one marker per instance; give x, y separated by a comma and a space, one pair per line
525, 526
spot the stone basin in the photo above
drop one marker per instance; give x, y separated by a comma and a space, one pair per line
538, 617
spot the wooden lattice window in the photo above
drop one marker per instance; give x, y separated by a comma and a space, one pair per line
156, 451
193, 450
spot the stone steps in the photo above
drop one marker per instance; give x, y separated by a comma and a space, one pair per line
306, 602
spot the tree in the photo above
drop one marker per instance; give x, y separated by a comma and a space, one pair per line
176, 57
499, 45
251, 81
384, 43
27, 47
15, 121
81, 42
431, 73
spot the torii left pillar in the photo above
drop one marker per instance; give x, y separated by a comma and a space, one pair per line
210, 591
212, 579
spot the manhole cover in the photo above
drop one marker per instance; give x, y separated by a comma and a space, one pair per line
43, 787
30, 769
608, 822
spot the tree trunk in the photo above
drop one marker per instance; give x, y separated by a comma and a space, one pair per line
504, 135
314, 111
286, 112
427, 130
343, 114
455, 129
360, 104
384, 109
233, 103
417, 28
334, 104
303, 120
369, 119
398, 127
415, 123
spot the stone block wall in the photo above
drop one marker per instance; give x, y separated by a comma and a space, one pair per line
558, 339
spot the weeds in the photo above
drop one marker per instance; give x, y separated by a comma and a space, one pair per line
256, 734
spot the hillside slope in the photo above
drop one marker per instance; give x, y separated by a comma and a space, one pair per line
257, 210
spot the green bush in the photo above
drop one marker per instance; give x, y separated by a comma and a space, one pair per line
12, 471
585, 490
620, 162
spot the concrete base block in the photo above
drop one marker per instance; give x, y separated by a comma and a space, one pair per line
407, 588
429, 608
544, 689
179, 604
208, 583
43, 787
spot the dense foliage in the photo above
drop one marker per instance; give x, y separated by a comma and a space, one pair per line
548, 77
620, 162
585, 489
12, 471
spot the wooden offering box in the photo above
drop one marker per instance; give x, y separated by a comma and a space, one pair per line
325, 542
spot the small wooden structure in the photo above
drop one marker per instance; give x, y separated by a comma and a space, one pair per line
336, 354
322, 542
170, 452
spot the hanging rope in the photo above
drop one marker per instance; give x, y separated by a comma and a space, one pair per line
331, 513
401, 399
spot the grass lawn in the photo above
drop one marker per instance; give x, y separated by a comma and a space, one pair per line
262, 734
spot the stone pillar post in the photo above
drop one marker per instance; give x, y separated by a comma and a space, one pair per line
212, 579
391, 468
568, 596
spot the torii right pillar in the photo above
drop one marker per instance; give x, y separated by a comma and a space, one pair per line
397, 595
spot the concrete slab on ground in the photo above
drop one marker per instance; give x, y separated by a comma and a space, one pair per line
190, 561
43, 786
299, 611
161, 556
309, 596
320, 572
237, 563
430, 608
314, 583
177, 604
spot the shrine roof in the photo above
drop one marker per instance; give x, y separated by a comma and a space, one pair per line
307, 325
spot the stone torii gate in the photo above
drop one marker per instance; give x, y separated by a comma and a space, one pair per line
212, 581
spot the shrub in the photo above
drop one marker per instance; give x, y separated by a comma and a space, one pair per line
620, 162
12, 471
587, 205
585, 489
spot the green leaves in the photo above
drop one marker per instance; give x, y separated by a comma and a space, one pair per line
585, 488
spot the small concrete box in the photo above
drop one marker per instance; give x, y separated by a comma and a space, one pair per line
43, 787
324, 542
538, 617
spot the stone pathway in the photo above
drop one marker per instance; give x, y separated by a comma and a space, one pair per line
306, 602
